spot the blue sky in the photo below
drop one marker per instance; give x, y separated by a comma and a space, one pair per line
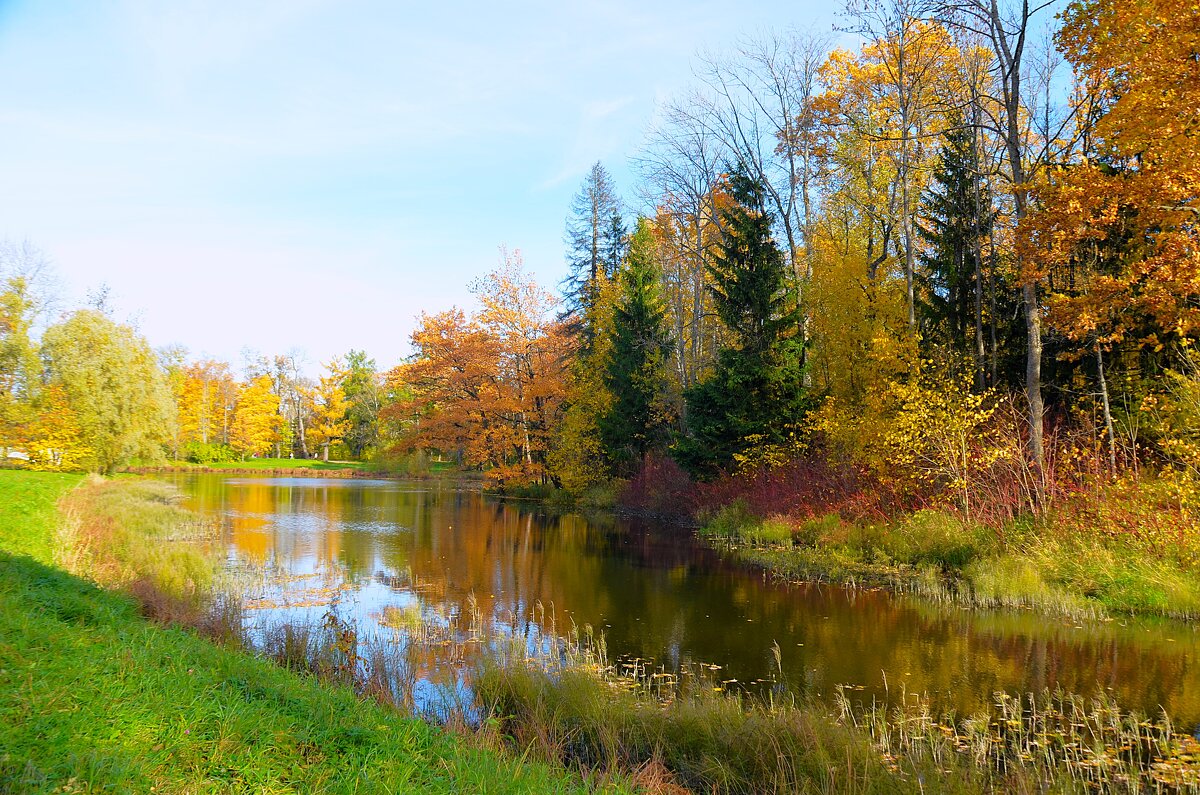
309, 174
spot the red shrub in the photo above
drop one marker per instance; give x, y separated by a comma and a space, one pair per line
805, 488
660, 488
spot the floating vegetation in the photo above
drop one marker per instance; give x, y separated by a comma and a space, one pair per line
1091, 741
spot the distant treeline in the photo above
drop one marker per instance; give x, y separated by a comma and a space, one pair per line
911, 259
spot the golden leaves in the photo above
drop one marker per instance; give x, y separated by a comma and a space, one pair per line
488, 388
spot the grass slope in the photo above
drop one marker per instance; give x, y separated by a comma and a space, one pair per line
94, 698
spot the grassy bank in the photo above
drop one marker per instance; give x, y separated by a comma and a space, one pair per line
94, 697
1128, 548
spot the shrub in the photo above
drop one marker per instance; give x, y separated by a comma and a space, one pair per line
207, 453
819, 530
660, 488
732, 521
773, 530
934, 537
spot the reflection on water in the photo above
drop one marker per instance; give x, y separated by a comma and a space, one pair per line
361, 547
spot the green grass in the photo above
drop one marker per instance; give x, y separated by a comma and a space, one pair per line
27, 510
735, 522
1124, 555
95, 698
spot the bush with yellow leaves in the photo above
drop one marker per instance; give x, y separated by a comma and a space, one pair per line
1175, 420
923, 434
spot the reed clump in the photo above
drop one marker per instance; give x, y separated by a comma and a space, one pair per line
137, 537
1082, 743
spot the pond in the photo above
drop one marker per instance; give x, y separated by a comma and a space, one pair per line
364, 548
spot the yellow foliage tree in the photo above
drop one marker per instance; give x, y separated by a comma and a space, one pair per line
329, 421
55, 442
257, 423
921, 434
205, 396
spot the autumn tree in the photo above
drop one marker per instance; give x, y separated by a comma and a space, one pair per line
532, 348
19, 370
449, 389
329, 422
1116, 232
488, 388
53, 438
27, 288
257, 424
111, 382
206, 394
288, 382
1010, 28
1139, 189
905, 59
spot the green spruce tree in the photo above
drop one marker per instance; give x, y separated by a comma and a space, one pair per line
639, 417
954, 222
966, 306
755, 398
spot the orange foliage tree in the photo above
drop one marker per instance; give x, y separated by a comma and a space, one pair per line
1123, 225
488, 388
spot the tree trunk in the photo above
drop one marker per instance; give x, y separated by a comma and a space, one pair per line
1108, 421
1033, 379
980, 376
906, 223
1010, 53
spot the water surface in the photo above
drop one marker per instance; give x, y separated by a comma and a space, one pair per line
358, 547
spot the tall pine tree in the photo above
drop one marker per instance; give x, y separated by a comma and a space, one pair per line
965, 305
948, 228
639, 418
755, 397
595, 241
